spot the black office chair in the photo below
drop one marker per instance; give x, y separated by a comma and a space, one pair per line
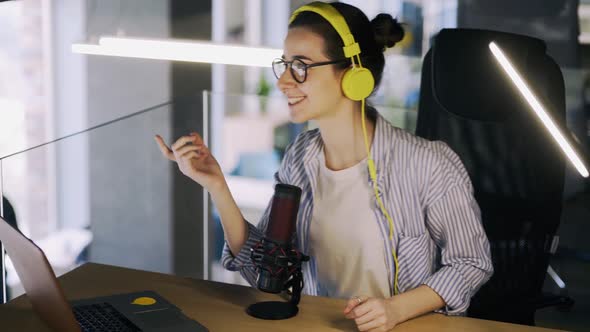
516, 169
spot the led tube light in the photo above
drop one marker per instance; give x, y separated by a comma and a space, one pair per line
181, 50
539, 109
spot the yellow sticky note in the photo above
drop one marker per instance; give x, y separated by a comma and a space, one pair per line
144, 301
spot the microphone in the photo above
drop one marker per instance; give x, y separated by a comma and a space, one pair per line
283, 213
278, 238
277, 262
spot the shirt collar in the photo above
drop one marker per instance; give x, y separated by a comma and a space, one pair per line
379, 150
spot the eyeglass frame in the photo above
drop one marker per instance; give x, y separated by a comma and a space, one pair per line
306, 66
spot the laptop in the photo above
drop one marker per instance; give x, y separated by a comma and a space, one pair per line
138, 311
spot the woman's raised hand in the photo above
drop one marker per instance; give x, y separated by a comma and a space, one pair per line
194, 160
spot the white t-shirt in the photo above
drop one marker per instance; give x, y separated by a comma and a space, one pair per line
345, 238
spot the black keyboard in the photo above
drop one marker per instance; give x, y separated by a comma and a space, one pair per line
102, 317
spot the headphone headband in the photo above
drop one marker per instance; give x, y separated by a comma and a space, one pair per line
328, 12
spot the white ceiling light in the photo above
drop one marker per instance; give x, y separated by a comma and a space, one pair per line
539, 109
180, 50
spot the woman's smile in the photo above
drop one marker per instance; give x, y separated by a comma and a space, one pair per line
295, 100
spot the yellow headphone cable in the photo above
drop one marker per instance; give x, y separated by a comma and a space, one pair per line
373, 175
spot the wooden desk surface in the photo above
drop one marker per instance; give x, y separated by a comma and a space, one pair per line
221, 307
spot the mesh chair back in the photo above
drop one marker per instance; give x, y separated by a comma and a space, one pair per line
516, 169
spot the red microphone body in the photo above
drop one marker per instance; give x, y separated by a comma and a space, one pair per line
276, 247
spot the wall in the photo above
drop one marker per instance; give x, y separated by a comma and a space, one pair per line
129, 184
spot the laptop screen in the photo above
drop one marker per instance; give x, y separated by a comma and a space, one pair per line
38, 279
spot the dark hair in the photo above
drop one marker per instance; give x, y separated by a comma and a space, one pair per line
373, 37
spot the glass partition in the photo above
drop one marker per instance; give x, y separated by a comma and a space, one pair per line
248, 135
113, 198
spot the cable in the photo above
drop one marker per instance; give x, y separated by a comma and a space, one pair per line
373, 175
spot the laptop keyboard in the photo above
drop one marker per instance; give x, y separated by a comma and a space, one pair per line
102, 317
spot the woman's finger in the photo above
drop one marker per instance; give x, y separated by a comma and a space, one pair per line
360, 310
364, 319
183, 141
352, 303
164, 148
184, 149
198, 138
373, 324
190, 154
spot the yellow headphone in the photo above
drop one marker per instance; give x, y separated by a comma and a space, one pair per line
358, 82
357, 85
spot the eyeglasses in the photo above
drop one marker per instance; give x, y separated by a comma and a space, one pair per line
298, 67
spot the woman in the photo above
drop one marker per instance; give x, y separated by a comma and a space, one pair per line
434, 255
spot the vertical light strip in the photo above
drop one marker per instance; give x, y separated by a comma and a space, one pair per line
538, 109
49, 103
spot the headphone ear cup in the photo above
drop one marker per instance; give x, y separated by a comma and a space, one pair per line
357, 83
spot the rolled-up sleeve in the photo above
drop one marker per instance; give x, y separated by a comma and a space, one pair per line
465, 252
242, 261
454, 221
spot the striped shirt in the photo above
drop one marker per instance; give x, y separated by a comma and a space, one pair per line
439, 237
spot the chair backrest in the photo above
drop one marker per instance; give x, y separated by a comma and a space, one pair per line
517, 171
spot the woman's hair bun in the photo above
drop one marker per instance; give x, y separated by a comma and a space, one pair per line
388, 31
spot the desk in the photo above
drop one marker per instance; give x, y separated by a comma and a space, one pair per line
220, 307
